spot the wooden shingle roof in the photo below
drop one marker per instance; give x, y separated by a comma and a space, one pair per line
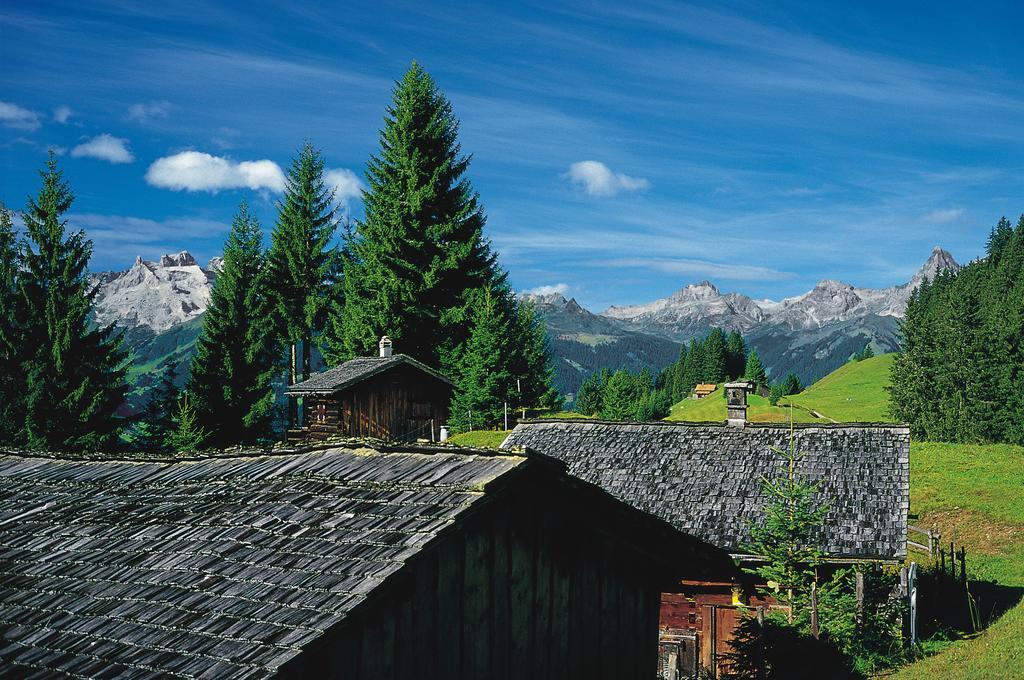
356, 370
223, 567
705, 479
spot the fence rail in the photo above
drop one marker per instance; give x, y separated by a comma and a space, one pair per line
928, 539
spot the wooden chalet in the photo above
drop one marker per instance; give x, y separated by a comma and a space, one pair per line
352, 560
391, 396
705, 479
703, 389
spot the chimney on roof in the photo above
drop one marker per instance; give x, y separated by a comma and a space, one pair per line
385, 346
736, 402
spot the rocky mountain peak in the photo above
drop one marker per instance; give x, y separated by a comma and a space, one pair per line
940, 260
182, 259
215, 264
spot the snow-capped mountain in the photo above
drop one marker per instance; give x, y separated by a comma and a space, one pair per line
696, 308
158, 295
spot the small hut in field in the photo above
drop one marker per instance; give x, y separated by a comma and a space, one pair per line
390, 396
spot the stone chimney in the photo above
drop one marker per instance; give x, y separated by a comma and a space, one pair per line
385, 346
736, 402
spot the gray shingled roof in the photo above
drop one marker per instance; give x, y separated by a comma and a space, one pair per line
705, 479
357, 370
223, 567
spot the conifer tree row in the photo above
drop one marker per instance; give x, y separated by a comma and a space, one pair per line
237, 353
959, 375
65, 378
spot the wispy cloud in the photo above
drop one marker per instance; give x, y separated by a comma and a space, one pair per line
701, 268
146, 111
17, 117
61, 114
560, 288
345, 183
597, 179
197, 171
943, 216
105, 147
120, 238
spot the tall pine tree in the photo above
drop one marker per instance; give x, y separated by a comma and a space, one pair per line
12, 417
419, 258
75, 373
754, 370
301, 260
236, 354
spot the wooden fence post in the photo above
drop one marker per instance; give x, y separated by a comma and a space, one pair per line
963, 565
860, 599
904, 592
814, 609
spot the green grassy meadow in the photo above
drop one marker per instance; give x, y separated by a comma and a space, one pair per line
854, 392
712, 409
486, 439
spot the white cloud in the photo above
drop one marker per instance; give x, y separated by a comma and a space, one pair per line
106, 148
61, 114
345, 183
145, 111
943, 216
560, 288
599, 180
197, 171
14, 116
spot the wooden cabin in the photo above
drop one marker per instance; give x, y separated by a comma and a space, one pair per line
391, 396
330, 561
705, 479
703, 389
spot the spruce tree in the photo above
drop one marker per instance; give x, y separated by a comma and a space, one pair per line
12, 390
301, 260
590, 397
754, 370
714, 365
236, 354
186, 435
157, 419
419, 257
785, 535
485, 383
75, 373
736, 355
791, 384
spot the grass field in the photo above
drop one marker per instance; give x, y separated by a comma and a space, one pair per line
854, 392
480, 438
712, 408
974, 493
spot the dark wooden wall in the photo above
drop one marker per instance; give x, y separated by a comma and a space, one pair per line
399, 404
523, 591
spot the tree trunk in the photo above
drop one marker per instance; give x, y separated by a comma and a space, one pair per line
307, 341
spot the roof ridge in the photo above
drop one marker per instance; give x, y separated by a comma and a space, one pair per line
708, 423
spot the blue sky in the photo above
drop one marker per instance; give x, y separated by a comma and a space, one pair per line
622, 150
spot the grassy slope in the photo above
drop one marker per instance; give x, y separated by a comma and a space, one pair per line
712, 408
480, 438
974, 493
854, 392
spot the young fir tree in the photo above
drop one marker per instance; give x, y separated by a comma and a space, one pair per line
74, 373
157, 420
301, 260
785, 535
236, 356
754, 370
590, 397
12, 417
187, 435
419, 257
791, 384
485, 383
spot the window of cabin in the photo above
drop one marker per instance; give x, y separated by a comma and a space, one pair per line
320, 412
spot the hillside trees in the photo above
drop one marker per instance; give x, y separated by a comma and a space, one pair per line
958, 377
157, 419
301, 260
230, 382
74, 373
754, 372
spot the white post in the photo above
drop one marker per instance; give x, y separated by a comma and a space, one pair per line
506, 415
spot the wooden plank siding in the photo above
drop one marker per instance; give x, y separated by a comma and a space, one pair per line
524, 590
401, 404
